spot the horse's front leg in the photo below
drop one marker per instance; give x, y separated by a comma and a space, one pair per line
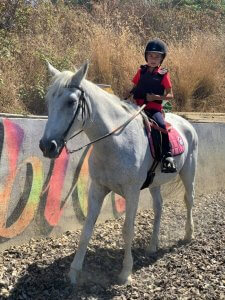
96, 196
128, 233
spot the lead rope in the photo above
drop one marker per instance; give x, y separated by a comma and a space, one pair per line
106, 135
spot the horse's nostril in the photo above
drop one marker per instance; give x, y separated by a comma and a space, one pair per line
49, 148
53, 146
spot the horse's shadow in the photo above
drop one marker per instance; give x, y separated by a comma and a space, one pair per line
99, 275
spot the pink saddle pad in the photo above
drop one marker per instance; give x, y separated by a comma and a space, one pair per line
176, 142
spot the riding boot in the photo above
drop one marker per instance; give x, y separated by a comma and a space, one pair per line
168, 164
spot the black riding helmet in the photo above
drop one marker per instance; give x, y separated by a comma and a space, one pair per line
158, 46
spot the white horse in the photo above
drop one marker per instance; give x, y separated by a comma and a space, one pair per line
119, 162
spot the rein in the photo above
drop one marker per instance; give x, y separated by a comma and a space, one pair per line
82, 106
104, 136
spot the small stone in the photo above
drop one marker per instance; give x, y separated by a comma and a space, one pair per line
4, 292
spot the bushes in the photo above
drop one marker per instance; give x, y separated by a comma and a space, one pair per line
196, 67
112, 35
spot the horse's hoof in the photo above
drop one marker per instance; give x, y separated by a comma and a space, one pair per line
151, 250
123, 280
188, 238
74, 276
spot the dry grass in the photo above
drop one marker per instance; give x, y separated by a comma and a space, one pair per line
112, 59
196, 67
112, 35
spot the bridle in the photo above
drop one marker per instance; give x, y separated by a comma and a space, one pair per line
82, 105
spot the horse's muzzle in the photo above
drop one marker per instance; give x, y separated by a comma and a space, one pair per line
51, 149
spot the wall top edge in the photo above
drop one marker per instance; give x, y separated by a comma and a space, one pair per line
191, 116
19, 116
199, 117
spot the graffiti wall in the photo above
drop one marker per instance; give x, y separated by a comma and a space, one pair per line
40, 197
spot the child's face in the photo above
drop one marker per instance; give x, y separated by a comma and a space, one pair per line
154, 59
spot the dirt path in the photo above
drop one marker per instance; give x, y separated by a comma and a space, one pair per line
37, 270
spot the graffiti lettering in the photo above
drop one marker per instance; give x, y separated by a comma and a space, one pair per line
14, 138
14, 220
53, 211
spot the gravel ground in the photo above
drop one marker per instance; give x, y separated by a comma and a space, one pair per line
37, 270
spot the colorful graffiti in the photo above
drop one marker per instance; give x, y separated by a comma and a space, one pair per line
41, 197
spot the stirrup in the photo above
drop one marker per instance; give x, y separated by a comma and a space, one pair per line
168, 165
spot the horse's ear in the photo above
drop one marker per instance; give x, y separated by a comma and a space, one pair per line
80, 74
53, 71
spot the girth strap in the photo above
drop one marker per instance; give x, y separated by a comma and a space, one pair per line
150, 175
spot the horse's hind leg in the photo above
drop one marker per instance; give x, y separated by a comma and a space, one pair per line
187, 175
95, 199
157, 207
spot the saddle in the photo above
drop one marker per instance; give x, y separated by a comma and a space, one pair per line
154, 134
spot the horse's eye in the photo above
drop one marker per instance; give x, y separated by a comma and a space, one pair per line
70, 102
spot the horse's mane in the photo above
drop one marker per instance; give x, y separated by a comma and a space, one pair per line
63, 79
127, 105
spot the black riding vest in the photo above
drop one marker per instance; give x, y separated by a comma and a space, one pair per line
149, 83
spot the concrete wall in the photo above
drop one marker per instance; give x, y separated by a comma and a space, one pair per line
211, 158
40, 197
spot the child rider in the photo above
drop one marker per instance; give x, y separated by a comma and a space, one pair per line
152, 85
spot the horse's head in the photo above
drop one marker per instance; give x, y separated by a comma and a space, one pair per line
66, 105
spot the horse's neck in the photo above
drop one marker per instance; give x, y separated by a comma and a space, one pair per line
106, 115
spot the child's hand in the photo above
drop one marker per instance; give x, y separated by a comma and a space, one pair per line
149, 97
153, 97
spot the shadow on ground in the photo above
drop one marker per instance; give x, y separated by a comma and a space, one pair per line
99, 276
